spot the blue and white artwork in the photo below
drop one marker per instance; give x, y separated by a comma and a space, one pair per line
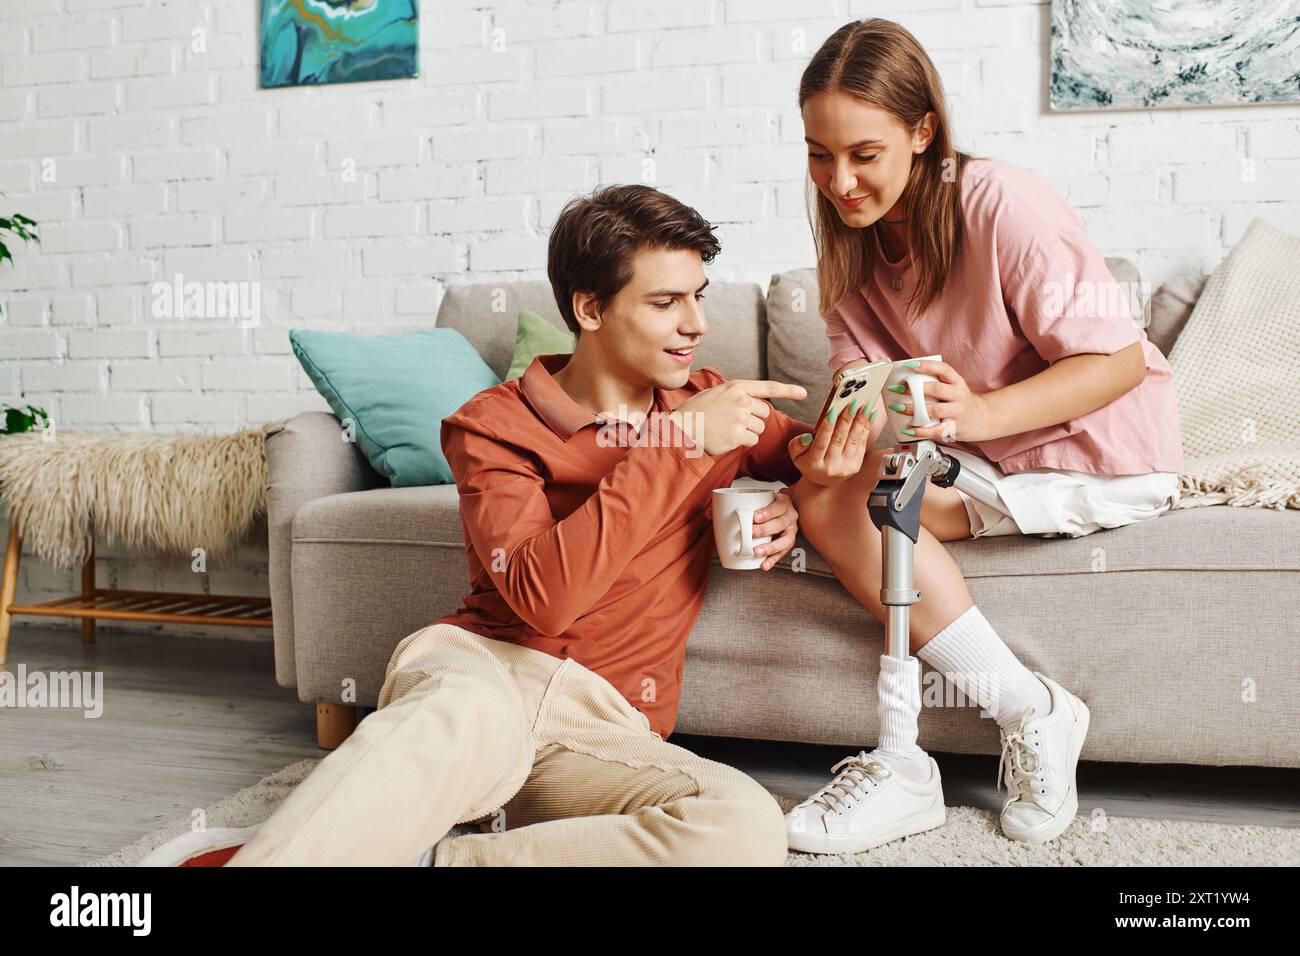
1126, 54
338, 41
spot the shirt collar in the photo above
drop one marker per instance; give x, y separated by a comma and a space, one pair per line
553, 404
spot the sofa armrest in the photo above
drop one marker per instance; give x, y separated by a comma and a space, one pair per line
306, 458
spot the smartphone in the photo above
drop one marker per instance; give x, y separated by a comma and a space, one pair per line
862, 383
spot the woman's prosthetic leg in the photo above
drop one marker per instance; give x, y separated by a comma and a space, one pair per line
895, 508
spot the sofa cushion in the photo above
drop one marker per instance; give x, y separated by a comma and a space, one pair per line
392, 391
1170, 308
536, 336
486, 314
1221, 539
427, 515
1189, 539
797, 350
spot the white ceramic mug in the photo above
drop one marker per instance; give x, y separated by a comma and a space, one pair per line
733, 525
912, 380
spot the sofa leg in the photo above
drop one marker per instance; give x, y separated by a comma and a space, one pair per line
334, 724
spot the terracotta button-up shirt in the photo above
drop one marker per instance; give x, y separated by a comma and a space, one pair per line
589, 548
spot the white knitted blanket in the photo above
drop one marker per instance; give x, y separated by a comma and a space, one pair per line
1236, 369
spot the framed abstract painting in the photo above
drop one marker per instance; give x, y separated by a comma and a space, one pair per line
306, 42
1140, 54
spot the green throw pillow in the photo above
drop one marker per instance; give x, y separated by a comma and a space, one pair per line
535, 336
396, 389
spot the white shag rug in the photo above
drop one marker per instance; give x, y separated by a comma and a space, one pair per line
971, 837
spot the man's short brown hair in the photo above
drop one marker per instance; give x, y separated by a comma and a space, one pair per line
595, 238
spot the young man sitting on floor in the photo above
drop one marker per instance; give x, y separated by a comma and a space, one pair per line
543, 704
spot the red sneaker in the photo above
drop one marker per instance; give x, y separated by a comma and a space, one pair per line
212, 847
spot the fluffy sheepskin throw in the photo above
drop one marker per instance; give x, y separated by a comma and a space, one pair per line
167, 493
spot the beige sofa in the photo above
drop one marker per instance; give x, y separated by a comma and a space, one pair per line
1180, 633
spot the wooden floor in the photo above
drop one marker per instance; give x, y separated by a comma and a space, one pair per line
188, 721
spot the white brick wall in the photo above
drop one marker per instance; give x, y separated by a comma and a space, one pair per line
353, 205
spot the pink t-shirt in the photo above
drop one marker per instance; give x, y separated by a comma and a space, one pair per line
1028, 288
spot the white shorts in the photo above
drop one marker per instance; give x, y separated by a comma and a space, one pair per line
1054, 503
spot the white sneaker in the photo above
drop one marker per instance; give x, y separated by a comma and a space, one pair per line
869, 803
1040, 754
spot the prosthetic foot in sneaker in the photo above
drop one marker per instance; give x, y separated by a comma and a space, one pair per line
867, 804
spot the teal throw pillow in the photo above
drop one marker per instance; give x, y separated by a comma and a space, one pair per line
396, 390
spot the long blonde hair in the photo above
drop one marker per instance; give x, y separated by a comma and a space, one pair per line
883, 64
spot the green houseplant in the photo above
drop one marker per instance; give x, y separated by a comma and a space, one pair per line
23, 419
22, 227
19, 419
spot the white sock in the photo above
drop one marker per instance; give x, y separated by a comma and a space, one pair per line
898, 705
969, 653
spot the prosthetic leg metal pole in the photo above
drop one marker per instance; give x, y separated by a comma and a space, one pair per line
895, 508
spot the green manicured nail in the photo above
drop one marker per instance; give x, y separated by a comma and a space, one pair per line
896, 406
874, 413
830, 416
914, 363
900, 387
853, 409
908, 431
805, 439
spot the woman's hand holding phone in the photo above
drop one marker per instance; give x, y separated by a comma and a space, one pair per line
839, 446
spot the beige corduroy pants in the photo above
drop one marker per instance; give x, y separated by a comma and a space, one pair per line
558, 765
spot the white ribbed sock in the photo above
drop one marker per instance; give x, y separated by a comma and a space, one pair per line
969, 653
898, 705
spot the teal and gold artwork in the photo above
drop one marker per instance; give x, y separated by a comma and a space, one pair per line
338, 41
1138, 54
